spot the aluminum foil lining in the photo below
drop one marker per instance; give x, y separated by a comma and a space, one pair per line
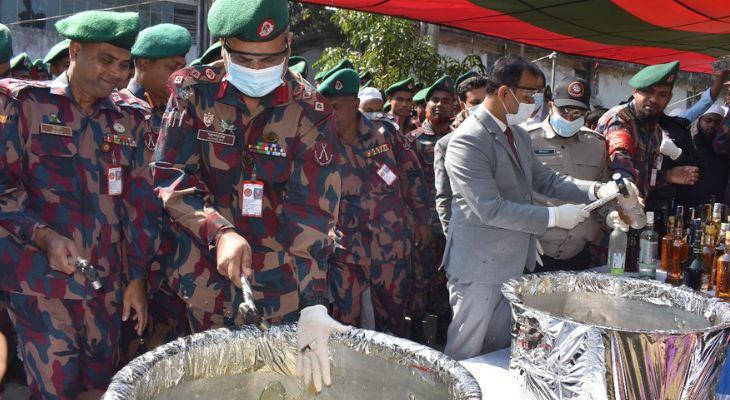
558, 357
364, 365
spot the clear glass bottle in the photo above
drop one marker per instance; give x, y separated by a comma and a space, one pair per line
695, 270
648, 243
617, 251
723, 271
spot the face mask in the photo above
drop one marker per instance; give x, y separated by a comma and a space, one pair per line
563, 127
255, 82
539, 98
524, 110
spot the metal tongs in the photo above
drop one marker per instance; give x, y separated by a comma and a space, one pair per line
248, 308
85, 267
622, 191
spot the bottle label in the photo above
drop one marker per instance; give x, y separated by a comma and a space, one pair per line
647, 252
616, 263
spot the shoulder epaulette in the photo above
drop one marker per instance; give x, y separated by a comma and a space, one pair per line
414, 134
591, 133
13, 87
385, 119
196, 75
125, 98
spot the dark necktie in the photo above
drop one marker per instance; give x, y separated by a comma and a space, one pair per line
511, 140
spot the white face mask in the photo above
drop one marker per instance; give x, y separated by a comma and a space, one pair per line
524, 111
254, 82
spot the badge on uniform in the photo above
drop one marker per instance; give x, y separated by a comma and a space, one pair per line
208, 118
58, 130
267, 149
150, 139
322, 154
377, 150
216, 137
120, 140
178, 80
544, 152
227, 126
252, 199
319, 106
386, 174
209, 74
114, 181
195, 74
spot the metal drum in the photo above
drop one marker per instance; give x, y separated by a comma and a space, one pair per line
247, 364
598, 336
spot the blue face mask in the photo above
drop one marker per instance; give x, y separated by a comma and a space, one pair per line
563, 127
539, 98
255, 82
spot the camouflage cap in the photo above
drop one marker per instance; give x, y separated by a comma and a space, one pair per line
444, 83
162, 41
406, 85
6, 44
249, 20
344, 82
58, 50
299, 65
117, 28
21, 61
660, 74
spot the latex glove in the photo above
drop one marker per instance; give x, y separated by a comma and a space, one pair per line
539, 252
568, 216
613, 219
607, 189
668, 148
313, 332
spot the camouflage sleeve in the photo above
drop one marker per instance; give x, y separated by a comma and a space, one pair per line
176, 174
312, 202
143, 212
412, 180
14, 216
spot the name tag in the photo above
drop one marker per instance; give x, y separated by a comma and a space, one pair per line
114, 179
544, 152
386, 174
58, 130
216, 137
252, 199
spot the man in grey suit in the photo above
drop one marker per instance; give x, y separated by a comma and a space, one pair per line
493, 227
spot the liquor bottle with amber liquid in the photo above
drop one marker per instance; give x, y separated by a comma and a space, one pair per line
665, 256
719, 251
679, 246
708, 255
723, 271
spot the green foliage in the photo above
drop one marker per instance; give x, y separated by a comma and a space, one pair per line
391, 49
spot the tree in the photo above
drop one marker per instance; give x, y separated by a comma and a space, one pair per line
391, 49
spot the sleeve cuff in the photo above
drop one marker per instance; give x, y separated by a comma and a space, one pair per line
551, 217
592, 192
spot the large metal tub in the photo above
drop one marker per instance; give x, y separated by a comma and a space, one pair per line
240, 363
646, 340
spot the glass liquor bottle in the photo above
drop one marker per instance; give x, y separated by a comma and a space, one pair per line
666, 254
719, 251
648, 243
708, 256
695, 270
617, 251
723, 271
679, 249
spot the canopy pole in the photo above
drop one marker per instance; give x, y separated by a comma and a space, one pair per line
553, 57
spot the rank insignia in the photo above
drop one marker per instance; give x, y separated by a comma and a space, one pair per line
377, 150
209, 74
271, 137
195, 74
105, 147
268, 149
120, 140
227, 125
323, 154
178, 80
319, 106
208, 119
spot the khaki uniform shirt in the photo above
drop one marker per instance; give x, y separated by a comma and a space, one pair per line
583, 157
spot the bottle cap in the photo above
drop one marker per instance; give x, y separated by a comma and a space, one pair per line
650, 217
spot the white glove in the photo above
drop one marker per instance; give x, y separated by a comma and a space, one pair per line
607, 189
568, 216
613, 219
538, 253
313, 332
668, 148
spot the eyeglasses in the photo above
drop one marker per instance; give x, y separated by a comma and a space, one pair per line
250, 60
530, 91
572, 112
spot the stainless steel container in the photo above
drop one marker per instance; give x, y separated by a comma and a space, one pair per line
247, 364
598, 336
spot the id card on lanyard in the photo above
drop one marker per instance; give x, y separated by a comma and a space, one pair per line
252, 197
114, 178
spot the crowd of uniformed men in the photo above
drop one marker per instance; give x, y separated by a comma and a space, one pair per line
334, 199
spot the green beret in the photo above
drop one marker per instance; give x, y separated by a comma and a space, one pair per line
249, 20
465, 76
660, 74
344, 64
420, 97
116, 28
59, 50
366, 75
367, 84
213, 53
6, 44
406, 85
386, 107
195, 62
21, 61
444, 83
162, 41
344, 82
299, 65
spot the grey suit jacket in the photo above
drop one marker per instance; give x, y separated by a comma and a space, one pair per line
493, 227
443, 185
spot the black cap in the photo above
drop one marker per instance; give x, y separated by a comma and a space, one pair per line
574, 92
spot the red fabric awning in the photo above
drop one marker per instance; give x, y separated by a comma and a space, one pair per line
645, 32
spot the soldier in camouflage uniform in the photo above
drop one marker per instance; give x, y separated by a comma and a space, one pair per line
372, 241
427, 257
74, 183
400, 97
247, 166
57, 58
158, 52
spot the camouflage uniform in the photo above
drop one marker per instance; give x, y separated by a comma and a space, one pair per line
210, 143
167, 311
54, 174
427, 260
373, 243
